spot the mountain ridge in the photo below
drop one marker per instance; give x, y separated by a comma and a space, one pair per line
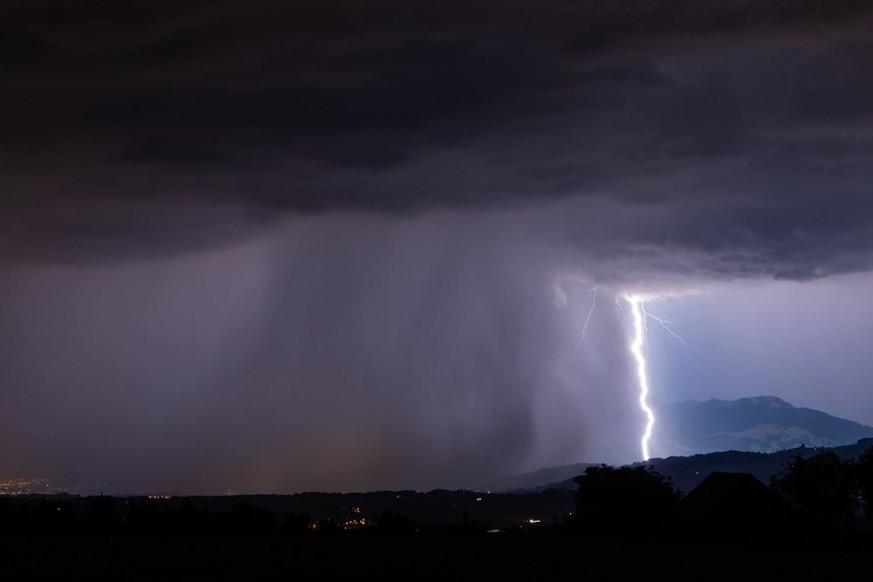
754, 424
758, 434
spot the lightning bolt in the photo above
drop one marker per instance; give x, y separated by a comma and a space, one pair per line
664, 323
638, 310
641, 317
593, 293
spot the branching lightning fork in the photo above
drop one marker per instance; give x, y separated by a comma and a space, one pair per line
638, 349
593, 294
663, 323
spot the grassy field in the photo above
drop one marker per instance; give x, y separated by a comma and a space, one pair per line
368, 556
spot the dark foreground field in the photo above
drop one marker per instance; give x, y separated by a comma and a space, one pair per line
369, 556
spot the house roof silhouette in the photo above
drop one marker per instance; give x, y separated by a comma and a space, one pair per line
732, 502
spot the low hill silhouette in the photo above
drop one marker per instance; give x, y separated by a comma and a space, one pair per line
686, 473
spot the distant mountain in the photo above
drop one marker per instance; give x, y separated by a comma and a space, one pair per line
758, 435
763, 424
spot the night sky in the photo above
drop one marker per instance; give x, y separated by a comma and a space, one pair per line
342, 245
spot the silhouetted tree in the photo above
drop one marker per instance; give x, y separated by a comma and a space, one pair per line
150, 515
631, 501
820, 488
244, 518
294, 522
52, 515
864, 478
101, 516
6, 515
394, 523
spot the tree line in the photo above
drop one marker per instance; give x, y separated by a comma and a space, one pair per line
819, 493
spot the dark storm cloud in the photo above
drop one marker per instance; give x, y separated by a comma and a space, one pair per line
636, 23
272, 107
